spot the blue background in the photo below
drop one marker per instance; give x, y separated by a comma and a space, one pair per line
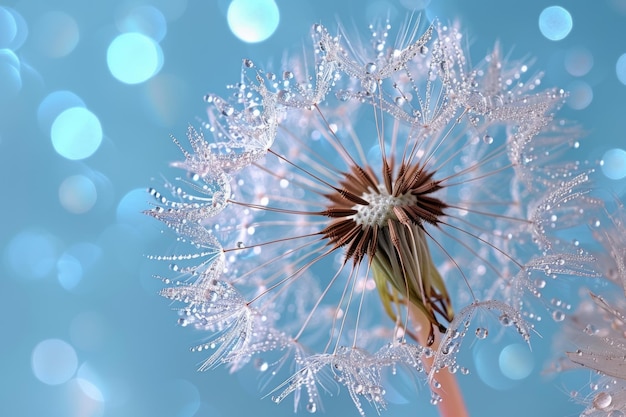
75, 269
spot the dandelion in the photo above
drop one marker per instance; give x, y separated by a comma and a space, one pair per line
598, 327
351, 214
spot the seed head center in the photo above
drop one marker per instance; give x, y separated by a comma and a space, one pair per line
380, 208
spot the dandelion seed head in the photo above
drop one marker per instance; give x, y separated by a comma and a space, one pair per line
360, 208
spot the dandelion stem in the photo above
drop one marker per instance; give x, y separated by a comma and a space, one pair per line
452, 403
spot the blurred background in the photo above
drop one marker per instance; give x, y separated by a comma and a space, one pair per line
89, 94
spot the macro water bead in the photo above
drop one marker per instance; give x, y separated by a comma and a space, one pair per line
353, 211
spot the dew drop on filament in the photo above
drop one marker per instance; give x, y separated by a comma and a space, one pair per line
261, 365
481, 333
370, 67
558, 315
505, 320
369, 85
602, 400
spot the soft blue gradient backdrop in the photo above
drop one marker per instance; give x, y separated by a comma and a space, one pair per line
72, 241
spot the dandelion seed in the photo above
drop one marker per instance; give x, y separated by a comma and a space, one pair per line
598, 327
375, 178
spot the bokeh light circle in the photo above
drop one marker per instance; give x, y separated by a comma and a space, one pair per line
10, 80
90, 389
7, 56
578, 61
56, 34
69, 271
77, 194
185, 398
580, 95
8, 27
147, 20
90, 382
53, 105
620, 69
77, 262
22, 29
171, 9
253, 20
133, 58
32, 254
76, 133
516, 361
614, 164
130, 212
555, 23
79, 403
54, 361
488, 370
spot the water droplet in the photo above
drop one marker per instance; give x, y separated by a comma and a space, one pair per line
287, 75
182, 322
558, 315
261, 365
481, 333
370, 67
343, 95
369, 85
241, 245
602, 400
590, 329
248, 63
423, 49
488, 139
311, 407
505, 320
228, 111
